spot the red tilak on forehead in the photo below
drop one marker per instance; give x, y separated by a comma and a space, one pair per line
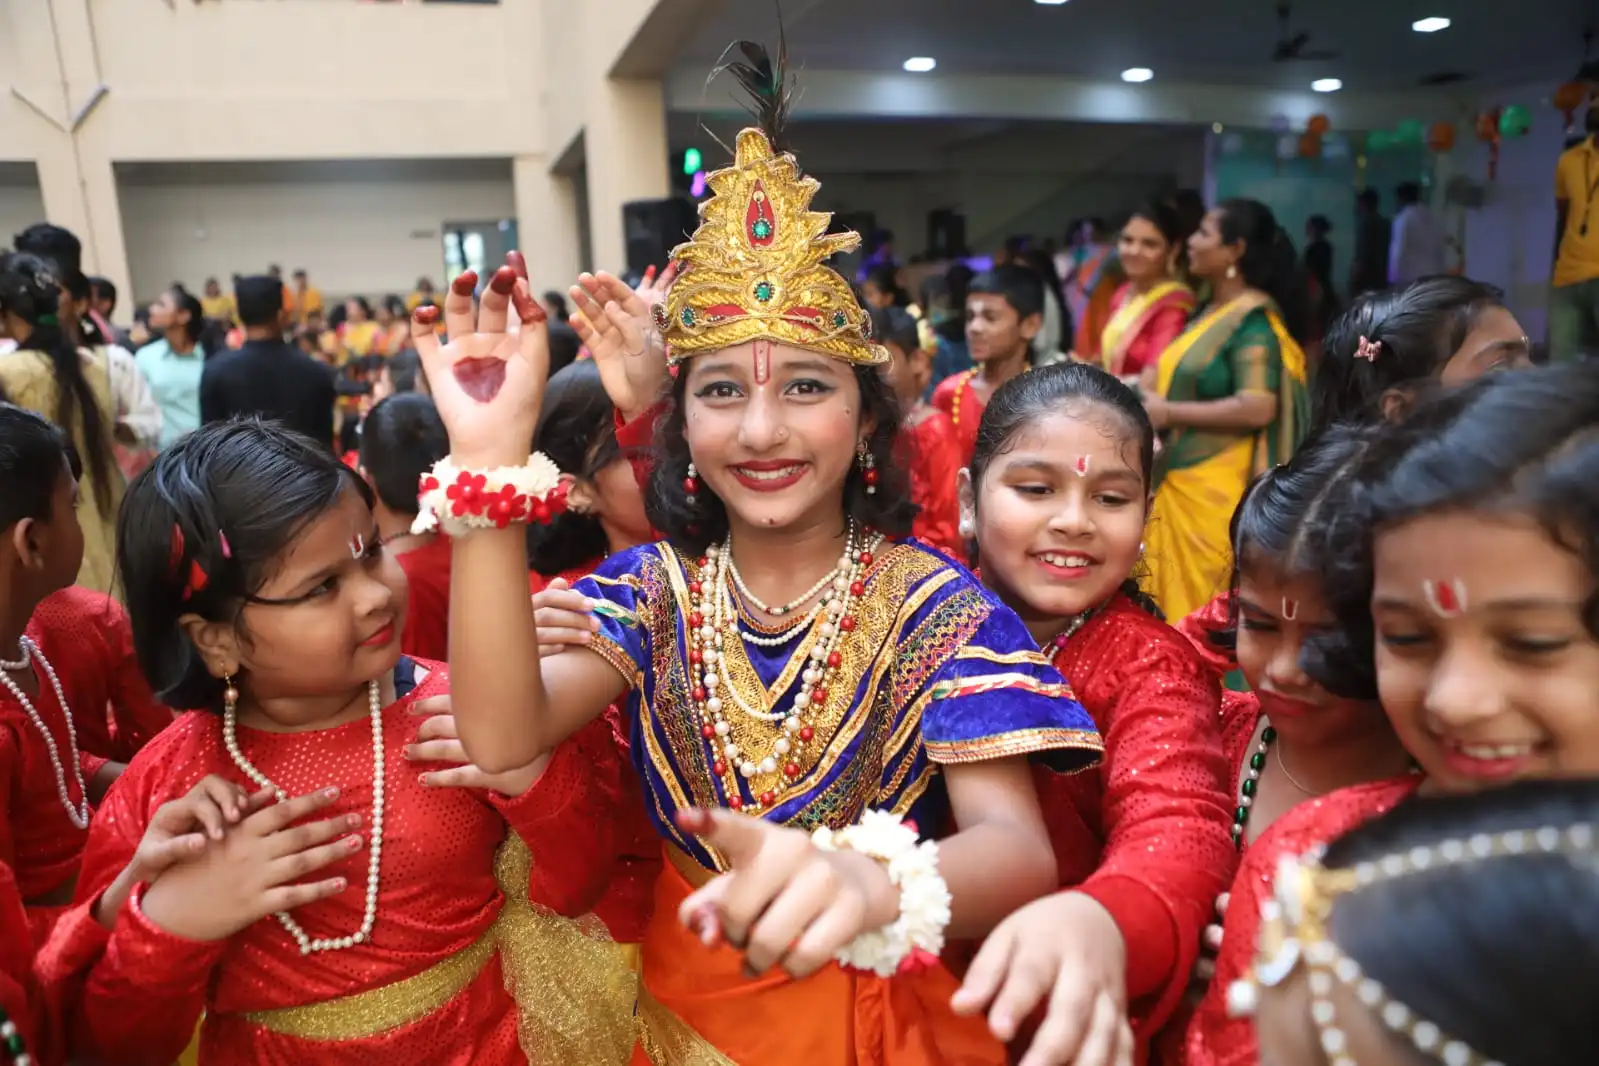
1080, 467
1290, 609
357, 546
1446, 598
763, 362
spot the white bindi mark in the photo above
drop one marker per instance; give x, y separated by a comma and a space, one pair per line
1446, 598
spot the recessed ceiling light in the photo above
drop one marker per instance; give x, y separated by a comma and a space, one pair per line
1136, 74
920, 64
1050, 3
1326, 85
1430, 25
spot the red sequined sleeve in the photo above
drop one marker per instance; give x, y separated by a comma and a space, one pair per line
138, 1001
636, 438
1214, 1038
1197, 627
136, 715
1168, 850
568, 821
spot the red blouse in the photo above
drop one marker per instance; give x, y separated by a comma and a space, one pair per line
1214, 1038
1163, 326
142, 998
427, 620
956, 398
1147, 832
932, 457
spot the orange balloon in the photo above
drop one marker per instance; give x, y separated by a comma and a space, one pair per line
1318, 124
1441, 138
1310, 145
1569, 96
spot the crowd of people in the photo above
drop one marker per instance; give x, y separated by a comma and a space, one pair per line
788, 676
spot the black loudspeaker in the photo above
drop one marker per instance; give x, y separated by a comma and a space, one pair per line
946, 234
653, 228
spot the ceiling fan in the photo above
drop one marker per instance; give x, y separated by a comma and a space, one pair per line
1292, 47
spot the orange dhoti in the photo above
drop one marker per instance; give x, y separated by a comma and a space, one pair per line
697, 1008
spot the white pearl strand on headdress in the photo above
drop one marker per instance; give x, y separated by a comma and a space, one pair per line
77, 813
714, 614
369, 916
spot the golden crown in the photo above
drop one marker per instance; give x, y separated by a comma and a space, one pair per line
755, 268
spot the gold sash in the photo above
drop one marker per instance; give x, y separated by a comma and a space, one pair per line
1128, 321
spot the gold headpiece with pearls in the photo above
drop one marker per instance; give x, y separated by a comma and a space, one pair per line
1295, 929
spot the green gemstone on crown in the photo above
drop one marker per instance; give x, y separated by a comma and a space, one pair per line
840, 320
763, 290
762, 229
687, 316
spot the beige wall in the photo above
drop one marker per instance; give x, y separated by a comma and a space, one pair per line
21, 203
362, 228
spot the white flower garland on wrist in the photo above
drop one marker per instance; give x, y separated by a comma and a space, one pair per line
458, 500
915, 939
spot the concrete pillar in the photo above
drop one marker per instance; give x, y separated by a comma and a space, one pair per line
547, 223
625, 152
80, 193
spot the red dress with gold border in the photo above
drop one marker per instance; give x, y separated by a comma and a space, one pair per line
932, 457
955, 397
452, 926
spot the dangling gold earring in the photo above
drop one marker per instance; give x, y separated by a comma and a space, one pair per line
1232, 271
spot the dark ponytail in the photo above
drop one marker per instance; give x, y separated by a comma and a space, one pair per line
1269, 262
30, 290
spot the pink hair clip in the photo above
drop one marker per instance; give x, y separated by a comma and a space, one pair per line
1368, 350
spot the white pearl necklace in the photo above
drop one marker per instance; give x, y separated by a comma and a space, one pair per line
369, 916
792, 605
713, 614
77, 813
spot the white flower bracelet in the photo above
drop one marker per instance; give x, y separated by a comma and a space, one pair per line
914, 940
457, 500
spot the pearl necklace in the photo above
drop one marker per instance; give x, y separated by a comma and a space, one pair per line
19, 664
369, 916
792, 605
711, 616
77, 813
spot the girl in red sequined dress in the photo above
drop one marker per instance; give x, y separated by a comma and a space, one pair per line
260, 588
1487, 671
1057, 497
927, 437
66, 661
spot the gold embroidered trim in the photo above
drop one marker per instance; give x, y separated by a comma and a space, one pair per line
1005, 658
977, 686
618, 659
1021, 742
670, 1041
380, 1010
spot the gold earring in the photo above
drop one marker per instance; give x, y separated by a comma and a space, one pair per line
1232, 271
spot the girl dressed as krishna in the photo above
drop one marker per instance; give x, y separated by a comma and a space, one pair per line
832, 725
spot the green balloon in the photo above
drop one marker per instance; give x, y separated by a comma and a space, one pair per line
1514, 121
1410, 131
1379, 141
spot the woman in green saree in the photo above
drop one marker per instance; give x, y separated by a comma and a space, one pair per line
1229, 397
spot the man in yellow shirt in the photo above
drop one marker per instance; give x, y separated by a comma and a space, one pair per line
1574, 297
307, 298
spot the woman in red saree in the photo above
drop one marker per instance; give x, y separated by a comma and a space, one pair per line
1487, 672
1151, 308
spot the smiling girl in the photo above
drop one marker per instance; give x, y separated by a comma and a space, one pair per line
265, 603
785, 658
1487, 671
1151, 309
1057, 496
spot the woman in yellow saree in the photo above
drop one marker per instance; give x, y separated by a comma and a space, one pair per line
1229, 397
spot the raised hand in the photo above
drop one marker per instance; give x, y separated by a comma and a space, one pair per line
1065, 950
437, 740
565, 619
254, 869
784, 901
614, 323
487, 382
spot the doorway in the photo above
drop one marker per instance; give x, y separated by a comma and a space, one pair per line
477, 246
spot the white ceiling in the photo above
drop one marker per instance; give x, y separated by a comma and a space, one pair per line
1494, 43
